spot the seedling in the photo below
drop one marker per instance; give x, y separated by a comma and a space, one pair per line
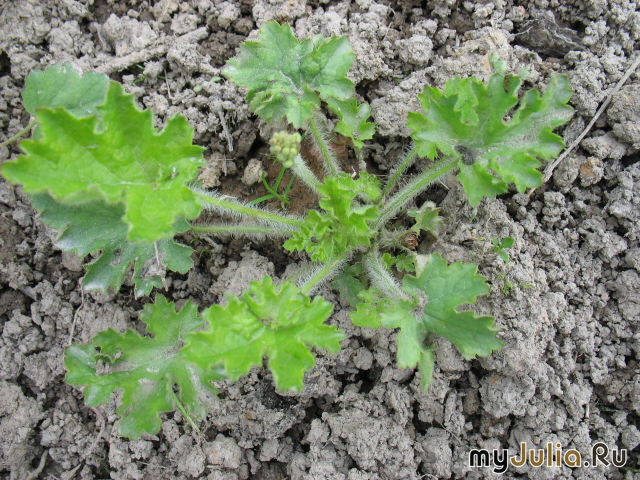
507, 287
120, 190
498, 247
143, 76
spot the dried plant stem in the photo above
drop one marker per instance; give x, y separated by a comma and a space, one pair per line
120, 63
38, 470
75, 318
548, 171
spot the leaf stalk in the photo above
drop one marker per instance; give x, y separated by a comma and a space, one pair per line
19, 134
402, 166
381, 277
246, 230
323, 273
328, 157
414, 188
305, 174
182, 409
223, 205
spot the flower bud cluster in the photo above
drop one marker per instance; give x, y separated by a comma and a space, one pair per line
285, 146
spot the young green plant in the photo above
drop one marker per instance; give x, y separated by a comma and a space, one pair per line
500, 246
121, 191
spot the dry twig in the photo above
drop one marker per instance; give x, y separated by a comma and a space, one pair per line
38, 470
75, 318
69, 475
548, 171
161, 48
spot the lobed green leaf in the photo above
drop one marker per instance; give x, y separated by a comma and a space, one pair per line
277, 322
348, 284
446, 287
496, 145
402, 262
405, 263
96, 226
146, 369
287, 78
344, 224
353, 120
410, 339
126, 161
372, 305
438, 290
64, 85
427, 219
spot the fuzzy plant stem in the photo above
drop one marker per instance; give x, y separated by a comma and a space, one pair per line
18, 135
323, 273
328, 157
402, 167
381, 277
414, 188
245, 230
304, 173
223, 205
393, 239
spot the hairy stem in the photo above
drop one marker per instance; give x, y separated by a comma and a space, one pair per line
224, 205
323, 273
404, 164
305, 174
414, 188
328, 157
393, 239
381, 277
246, 230
18, 135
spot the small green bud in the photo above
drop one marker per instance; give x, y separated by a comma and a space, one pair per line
285, 146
